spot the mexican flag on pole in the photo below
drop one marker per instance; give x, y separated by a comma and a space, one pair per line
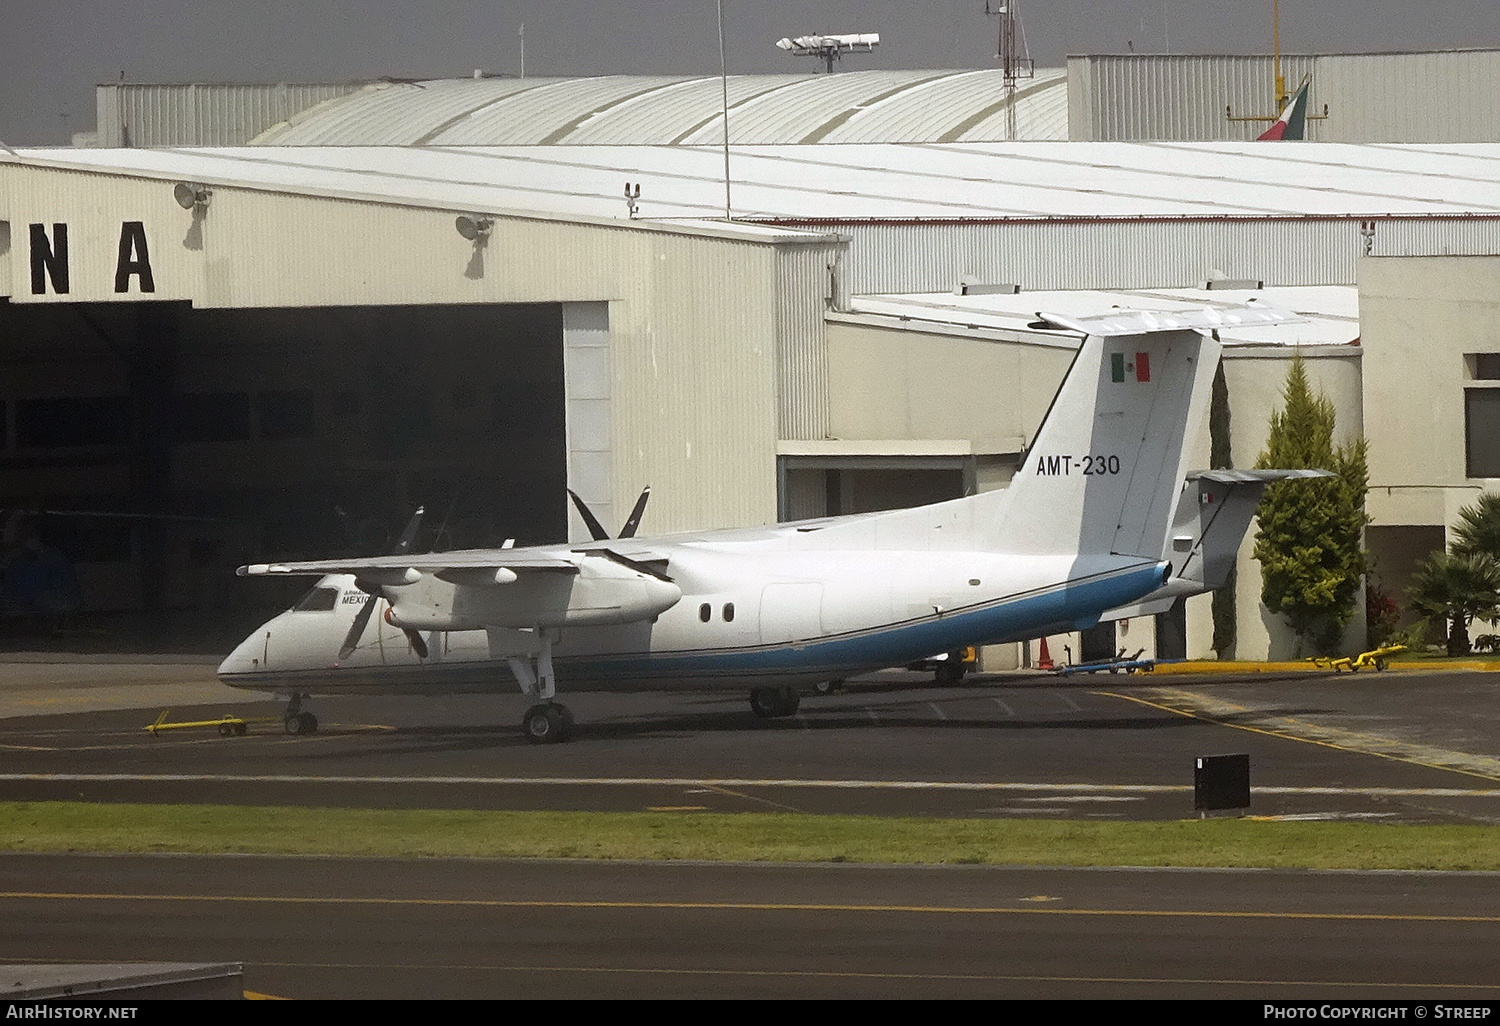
1293, 121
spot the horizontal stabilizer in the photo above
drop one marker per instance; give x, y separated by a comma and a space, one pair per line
1140, 322
1250, 476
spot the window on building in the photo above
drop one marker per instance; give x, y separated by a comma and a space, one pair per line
1482, 432
212, 417
286, 414
1486, 366
70, 422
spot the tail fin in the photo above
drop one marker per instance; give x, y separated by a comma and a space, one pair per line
1105, 470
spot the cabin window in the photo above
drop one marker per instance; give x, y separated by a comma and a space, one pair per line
705, 611
729, 612
319, 600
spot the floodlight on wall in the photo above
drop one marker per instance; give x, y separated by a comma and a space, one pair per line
474, 227
190, 195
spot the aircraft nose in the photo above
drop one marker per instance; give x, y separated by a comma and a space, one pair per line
246, 656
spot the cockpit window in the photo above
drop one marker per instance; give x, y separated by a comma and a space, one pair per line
319, 600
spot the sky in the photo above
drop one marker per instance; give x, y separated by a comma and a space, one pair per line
52, 54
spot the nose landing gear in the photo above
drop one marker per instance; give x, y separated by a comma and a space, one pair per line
297, 721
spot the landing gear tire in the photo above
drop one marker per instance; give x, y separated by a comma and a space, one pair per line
770, 703
950, 672
827, 687
302, 723
240, 730
547, 724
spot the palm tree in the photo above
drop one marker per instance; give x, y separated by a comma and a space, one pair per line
1457, 589
1478, 528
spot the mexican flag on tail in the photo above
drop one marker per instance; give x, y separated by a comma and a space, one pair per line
1293, 121
1138, 368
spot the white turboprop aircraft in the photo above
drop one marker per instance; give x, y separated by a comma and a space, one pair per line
1092, 522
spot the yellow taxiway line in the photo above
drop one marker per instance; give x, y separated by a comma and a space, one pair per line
1289, 736
753, 906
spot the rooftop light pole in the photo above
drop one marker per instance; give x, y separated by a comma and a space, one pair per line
724, 86
829, 48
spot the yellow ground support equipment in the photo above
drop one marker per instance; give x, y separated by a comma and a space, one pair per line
1377, 658
228, 725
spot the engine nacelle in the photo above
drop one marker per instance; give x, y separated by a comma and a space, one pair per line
601, 593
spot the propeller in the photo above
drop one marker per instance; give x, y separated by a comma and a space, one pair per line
596, 529
634, 520
362, 618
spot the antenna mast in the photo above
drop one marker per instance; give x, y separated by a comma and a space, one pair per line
1010, 48
724, 87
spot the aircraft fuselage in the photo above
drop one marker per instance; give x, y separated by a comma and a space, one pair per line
748, 616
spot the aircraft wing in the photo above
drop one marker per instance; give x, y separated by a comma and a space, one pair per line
467, 566
379, 568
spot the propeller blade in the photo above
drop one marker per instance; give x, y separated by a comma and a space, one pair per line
357, 629
596, 529
628, 531
410, 534
417, 644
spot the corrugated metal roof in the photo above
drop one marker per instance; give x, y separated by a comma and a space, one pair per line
203, 113
860, 106
1330, 313
868, 182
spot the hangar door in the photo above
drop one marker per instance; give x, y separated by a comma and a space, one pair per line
219, 437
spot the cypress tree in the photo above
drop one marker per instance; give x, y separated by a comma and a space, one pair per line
1225, 615
1310, 542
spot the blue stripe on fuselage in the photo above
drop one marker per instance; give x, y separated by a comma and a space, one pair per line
1072, 606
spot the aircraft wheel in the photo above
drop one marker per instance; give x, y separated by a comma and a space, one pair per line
827, 687
769, 703
239, 730
950, 672
546, 724
293, 725
763, 703
224, 730
1380, 664
309, 723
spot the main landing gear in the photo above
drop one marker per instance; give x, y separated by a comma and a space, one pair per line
297, 721
770, 703
550, 722
547, 723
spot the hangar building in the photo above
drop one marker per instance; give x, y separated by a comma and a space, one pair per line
248, 339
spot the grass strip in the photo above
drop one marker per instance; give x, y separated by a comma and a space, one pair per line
754, 837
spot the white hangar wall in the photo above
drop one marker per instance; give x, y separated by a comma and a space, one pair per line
714, 340
1144, 252
1431, 334
1256, 377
